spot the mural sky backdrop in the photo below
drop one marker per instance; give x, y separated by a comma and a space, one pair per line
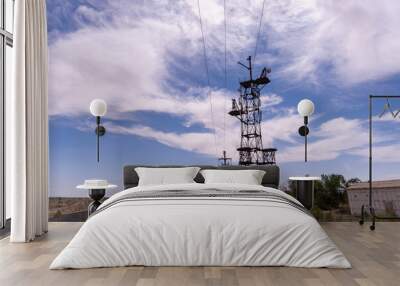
145, 59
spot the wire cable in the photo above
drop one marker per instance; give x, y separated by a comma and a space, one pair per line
259, 31
226, 75
208, 78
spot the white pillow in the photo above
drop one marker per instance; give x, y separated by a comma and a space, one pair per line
248, 177
165, 176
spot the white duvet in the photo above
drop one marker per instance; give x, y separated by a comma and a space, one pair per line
200, 231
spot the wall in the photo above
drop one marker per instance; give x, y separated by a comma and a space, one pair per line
384, 200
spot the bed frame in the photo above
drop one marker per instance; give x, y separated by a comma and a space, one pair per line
270, 179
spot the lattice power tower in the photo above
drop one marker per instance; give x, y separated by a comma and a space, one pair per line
248, 111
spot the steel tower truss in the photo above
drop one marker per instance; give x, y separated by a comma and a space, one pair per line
248, 110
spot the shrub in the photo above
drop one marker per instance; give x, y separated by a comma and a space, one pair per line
316, 212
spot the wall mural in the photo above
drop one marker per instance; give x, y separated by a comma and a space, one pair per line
147, 62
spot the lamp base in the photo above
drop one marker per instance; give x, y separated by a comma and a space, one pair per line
96, 195
305, 193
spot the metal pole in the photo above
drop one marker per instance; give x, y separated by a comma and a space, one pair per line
305, 137
305, 148
98, 137
370, 151
250, 68
98, 146
370, 207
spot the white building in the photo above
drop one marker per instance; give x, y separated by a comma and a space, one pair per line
385, 197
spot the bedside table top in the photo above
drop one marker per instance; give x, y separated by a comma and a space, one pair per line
83, 187
305, 178
96, 184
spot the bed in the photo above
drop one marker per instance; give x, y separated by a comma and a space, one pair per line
201, 224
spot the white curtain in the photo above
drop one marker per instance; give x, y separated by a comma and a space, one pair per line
27, 123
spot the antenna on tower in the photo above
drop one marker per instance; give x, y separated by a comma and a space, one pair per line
248, 110
225, 161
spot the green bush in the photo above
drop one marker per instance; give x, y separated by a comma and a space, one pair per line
330, 192
58, 213
316, 212
328, 216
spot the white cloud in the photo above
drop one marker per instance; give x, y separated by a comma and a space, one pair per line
387, 153
126, 47
270, 99
279, 127
133, 75
149, 58
341, 136
356, 41
191, 141
98, 64
387, 116
332, 139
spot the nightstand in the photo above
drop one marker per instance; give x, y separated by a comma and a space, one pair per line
97, 190
305, 190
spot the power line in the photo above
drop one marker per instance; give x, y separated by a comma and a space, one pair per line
204, 44
208, 77
226, 76
259, 32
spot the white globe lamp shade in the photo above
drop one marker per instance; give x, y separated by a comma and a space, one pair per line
305, 107
98, 107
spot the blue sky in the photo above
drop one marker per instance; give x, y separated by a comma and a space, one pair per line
145, 59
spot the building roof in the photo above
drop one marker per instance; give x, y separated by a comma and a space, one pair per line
375, 184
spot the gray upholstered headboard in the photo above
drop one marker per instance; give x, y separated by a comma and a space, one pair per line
271, 177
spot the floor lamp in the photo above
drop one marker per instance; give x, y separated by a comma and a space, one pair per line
305, 108
369, 208
98, 108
